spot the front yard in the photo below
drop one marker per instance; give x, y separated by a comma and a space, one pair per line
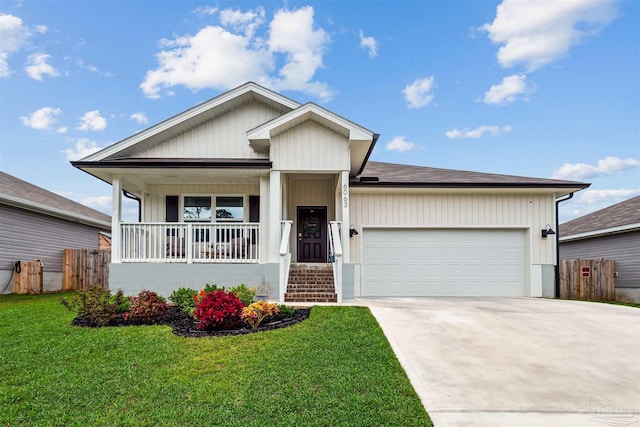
335, 368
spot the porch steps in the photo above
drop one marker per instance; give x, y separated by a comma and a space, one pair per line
310, 283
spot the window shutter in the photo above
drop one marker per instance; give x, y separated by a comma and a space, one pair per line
254, 208
172, 204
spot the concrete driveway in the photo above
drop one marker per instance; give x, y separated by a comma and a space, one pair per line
517, 362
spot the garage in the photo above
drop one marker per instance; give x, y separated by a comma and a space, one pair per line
444, 262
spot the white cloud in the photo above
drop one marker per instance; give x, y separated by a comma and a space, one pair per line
41, 119
82, 148
205, 10
42, 29
607, 166
62, 129
92, 120
508, 90
139, 117
399, 143
14, 36
245, 22
369, 43
37, 66
478, 132
222, 58
418, 94
537, 32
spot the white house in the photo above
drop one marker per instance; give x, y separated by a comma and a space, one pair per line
250, 184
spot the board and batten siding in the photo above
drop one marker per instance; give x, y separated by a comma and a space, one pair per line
154, 199
310, 146
466, 210
26, 235
623, 248
221, 138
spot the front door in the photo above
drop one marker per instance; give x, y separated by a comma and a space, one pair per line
312, 234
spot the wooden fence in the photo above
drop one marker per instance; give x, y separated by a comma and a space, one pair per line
587, 279
85, 267
27, 277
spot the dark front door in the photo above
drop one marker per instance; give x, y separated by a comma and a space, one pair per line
312, 234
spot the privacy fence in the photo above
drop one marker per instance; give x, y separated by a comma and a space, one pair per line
587, 279
85, 267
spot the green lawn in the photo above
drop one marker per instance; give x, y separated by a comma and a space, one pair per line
335, 368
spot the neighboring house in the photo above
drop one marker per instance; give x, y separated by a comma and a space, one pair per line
38, 224
610, 233
235, 188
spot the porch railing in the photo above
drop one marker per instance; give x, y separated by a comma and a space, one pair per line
335, 246
190, 242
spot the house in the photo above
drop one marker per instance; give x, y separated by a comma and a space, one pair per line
252, 186
610, 233
39, 224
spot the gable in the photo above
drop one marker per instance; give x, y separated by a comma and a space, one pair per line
310, 146
219, 138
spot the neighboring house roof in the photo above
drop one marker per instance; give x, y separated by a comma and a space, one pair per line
378, 174
19, 193
618, 218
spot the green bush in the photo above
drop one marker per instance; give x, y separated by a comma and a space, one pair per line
96, 304
212, 288
244, 293
147, 307
284, 312
184, 298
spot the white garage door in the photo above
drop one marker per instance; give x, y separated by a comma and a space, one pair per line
445, 262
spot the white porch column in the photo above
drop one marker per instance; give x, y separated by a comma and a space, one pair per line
264, 219
275, 215
345, 202
116, 217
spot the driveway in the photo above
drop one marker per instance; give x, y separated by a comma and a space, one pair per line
517, 361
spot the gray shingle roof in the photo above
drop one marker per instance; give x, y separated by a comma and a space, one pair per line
618, 215
390, 174
17, 188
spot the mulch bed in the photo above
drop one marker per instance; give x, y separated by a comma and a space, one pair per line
186, 326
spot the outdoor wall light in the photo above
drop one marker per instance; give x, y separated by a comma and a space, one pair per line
353, 231
547, 231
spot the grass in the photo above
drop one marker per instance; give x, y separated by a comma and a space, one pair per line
627, 304
335, 368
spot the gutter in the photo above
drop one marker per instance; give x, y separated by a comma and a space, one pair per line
557, 266
128, 195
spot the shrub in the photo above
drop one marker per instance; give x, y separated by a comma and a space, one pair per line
212, 288
218, 310
255, 313
147, 307
284, 312
245, 293
96, 304
183, 298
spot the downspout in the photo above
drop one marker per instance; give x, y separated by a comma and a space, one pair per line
557, 266
128, 195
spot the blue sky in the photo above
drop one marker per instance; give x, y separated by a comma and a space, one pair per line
544, 89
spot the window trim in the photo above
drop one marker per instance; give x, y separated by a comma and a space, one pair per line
214, 196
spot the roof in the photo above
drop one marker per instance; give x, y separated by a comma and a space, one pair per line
623, 216
377, 174
19, 193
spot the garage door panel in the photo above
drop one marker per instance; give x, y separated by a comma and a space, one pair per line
454, 262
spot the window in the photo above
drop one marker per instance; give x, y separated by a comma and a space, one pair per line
197, 208
229, 208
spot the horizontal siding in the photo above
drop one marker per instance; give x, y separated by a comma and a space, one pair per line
154, 203
223, 137
311, 147
457, 210
624, 249
26, 236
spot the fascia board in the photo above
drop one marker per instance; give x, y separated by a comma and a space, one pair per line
601, 232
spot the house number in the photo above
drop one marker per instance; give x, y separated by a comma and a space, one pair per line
345, 195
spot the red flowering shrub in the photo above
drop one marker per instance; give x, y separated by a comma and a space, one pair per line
147, 307
218, 310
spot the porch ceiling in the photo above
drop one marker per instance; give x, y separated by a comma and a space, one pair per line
136, 180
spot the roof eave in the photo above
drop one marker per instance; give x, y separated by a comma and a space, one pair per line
602, 232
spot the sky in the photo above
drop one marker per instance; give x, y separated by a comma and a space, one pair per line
548, 89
